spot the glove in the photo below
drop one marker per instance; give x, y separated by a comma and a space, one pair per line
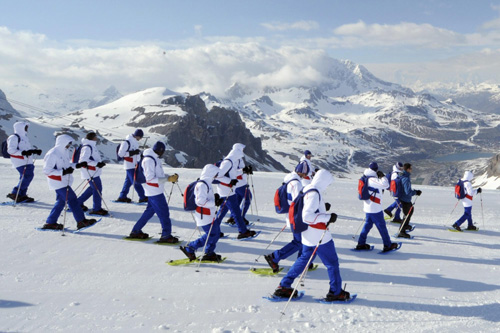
380, 174
37, 151
418, 192
101, 164
233, 182
173, 178
248, 170
219, 201
333, 218
479, 190
68, 171
327, 206
134, 152
26, 153
217, 196
81, 165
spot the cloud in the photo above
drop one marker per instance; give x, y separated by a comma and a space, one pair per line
299, 25
360, 34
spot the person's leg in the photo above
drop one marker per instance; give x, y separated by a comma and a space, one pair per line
328, 255
76, 209
28, 177
145, 217
232, 204
126, 184
160, 206
366, 229
298, 267
58, 206
96, 186
378, 219
288, 249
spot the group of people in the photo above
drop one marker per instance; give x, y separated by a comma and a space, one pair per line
144, 172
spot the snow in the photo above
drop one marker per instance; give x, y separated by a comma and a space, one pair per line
94, 281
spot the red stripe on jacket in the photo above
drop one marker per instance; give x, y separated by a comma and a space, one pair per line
202, 210
320, 226
153, 184
375, 199
129, 159
468, 197
17, 156
58, 178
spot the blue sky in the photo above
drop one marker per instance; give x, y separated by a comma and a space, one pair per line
391, 38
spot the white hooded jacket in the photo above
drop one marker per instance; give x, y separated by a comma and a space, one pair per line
469, 191
204, 196
314, 212
55, 161
129, 162
16, 146
230, 163
292, 189
153, 171
92, 156
374, 204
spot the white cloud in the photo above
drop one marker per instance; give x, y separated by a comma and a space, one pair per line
299, 25
493, 24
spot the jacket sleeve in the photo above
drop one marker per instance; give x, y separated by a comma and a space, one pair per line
12, 145
50, 164
148, 164
293, 189
312, 213
380, 183
407, 186
124, 148
203, 197
225, 166
85, 155
469, 190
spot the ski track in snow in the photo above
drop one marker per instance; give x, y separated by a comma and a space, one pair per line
95, 281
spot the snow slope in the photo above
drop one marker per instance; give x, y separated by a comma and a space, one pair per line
95, 281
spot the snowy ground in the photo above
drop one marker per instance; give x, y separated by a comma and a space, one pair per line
95, 281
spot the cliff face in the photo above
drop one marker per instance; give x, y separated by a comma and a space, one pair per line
205, 136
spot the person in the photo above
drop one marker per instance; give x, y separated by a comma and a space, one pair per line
227, 179
57, 168
243, 193
467, 203
316, 235
21, 156
204, 215
405, 199
397, 169
293, 188
304, 168
154, 190
373, 209
129, 151
91, 169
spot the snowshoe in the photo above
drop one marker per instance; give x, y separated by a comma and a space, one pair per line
125, 200
84, 208
168, 240
230, 221
472, 227
275, 267
101, 212
391, 247
456, 227
246, 221
85, 223
211, 257
52, 226
388, 212
246, 234
396, 220
403, 234
191, 256
284, 292
365, 247
143, 200
342, 296
138, 235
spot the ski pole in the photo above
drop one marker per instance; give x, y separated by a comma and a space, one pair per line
257, 260
303, 272
19, 185
359, 228
255, 199
408, 215
65, 207
171, 189
482, 212
99, 192
451, 214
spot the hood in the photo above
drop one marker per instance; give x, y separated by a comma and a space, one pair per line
63, 140
237, 152
468, 175
303, 158
19, 128
396, 169
209, 172
89, 142
322, 179
290, 176
369, 173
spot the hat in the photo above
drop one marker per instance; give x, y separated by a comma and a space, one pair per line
307, 152
373, 166
159, 147
138, 132
399, 165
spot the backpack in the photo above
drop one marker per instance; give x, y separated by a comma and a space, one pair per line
281, 198
460, 189
5, 153
78, 150
118, 157
189, 199
302, 167
140, 178
363, 188
295, 212
396, 187
217, 164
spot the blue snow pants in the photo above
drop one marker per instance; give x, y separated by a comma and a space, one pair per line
467, 216
59, 205
212, 239
24, 181
378, 220
396, 204
243, 192
156, 204
231, 203
289, 249
328, 256
129, 181
95, 191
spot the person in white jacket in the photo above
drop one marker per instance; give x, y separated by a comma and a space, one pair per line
204, 215
227, 180
21, 156
372, 207
129, 151
316, 236
397, 169
91, 166
467, 203
154, 188
57, 168
305, 169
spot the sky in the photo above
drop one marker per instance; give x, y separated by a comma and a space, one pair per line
208, 45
